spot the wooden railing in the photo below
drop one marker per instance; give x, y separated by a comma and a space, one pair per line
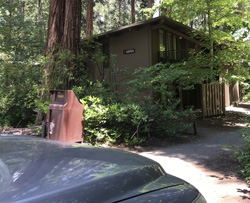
213, 99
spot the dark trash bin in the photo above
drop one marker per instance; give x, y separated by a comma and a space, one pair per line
65, 118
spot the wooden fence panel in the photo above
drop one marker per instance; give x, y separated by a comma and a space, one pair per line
213, 99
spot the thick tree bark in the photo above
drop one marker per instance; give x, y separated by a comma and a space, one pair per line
63, 27
90, 12
55, 25
133, 10
72, 26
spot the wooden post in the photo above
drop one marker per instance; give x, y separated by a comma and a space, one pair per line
223, 99
195, 129
44, 134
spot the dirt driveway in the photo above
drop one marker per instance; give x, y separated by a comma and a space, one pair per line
207, 162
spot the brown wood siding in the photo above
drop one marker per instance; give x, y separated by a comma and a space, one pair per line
155, 46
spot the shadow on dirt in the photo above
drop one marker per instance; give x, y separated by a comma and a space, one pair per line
246, 194
224, 164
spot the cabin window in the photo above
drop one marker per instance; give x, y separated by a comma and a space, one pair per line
162, 44
162, 40
170, 37
169, 47
175, 47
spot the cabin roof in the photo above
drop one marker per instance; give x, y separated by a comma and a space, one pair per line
153, 21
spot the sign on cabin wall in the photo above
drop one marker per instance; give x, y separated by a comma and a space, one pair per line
129, 51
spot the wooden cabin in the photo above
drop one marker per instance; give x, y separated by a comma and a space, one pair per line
146, 43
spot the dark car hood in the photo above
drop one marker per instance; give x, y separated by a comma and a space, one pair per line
39, 170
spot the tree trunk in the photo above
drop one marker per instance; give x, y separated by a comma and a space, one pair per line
240, 7
40, 10
40, 19
149, 3
89, 26
133, 10
72, 26
22, 7
7, 36
210, 31
22, 17
64, 27
169, 11
204, 22
55, 25
119, 12
63, 31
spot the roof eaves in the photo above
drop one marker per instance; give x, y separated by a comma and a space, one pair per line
152, 20
130, 26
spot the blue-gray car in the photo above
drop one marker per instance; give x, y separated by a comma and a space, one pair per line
35, 169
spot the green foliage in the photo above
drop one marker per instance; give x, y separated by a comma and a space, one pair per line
222, 27
134, 117
92, 53
246, 91
59, 69
65, 70
17, 93
21, 42
107, 119
157, 89
110, 122
114, 13
243, 155
22, 34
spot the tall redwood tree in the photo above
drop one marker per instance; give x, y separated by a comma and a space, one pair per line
64, 27
90, 13
133, 10
149, 3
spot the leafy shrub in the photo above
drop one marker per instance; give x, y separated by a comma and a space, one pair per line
246, 90
243, 155
21, 43
17, 93
111, 122
108, 119
140, 113
129, 122
156, 89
